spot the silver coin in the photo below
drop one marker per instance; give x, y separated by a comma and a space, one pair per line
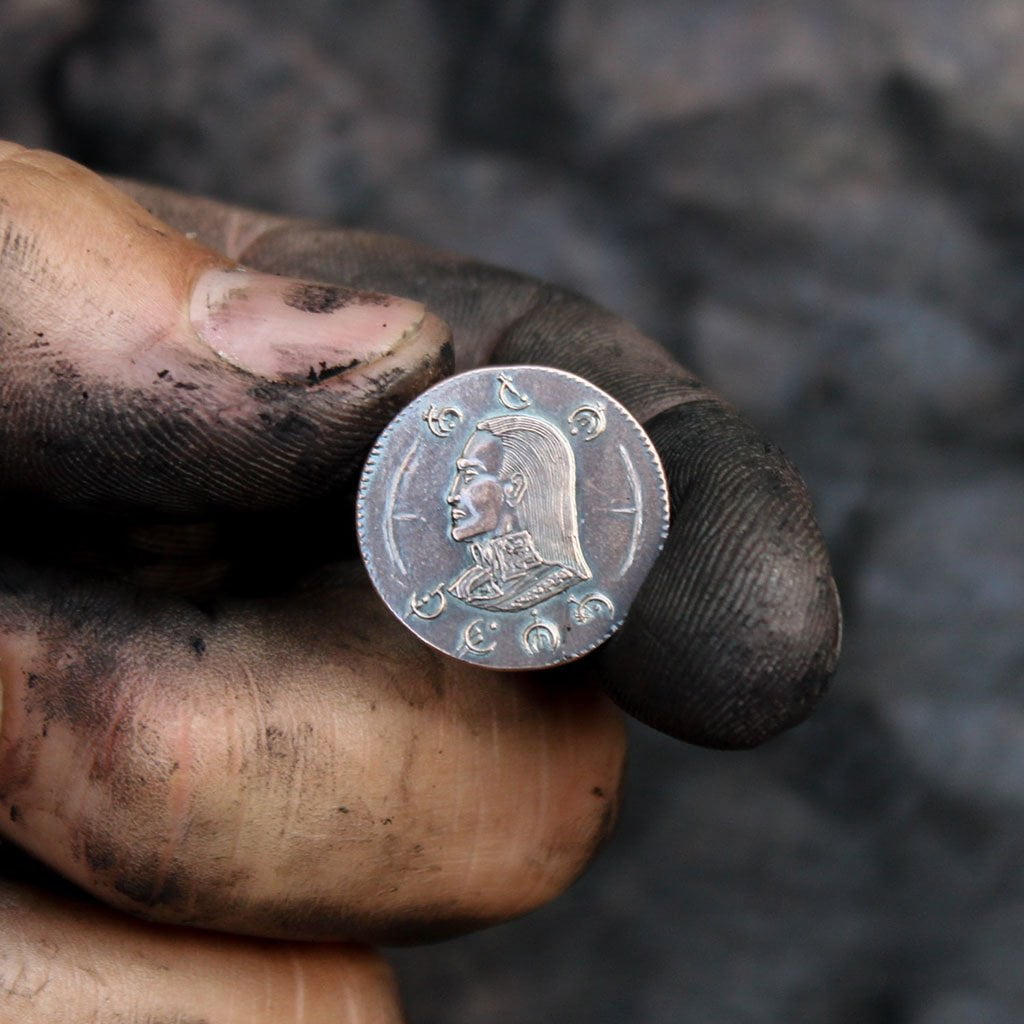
508, 515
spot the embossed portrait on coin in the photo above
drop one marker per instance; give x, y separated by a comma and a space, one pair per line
513, 504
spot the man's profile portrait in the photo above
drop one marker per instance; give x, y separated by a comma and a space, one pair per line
513, 503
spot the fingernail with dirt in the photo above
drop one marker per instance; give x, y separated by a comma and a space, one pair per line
278, 327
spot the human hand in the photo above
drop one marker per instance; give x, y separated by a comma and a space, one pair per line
277, 757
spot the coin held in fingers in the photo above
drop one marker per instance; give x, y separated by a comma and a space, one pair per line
509, 515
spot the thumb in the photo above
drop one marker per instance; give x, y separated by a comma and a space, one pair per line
143, 370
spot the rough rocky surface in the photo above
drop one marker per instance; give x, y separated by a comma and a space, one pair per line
820, 206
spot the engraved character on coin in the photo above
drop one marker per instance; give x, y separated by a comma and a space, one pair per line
513, 504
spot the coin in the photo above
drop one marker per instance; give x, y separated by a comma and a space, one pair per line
509, 515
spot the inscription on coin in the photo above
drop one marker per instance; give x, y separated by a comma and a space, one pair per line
588, 420
509, 515
441, 422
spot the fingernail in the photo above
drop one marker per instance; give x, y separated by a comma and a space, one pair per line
278, 327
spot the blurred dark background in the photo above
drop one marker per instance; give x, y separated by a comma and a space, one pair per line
818, 205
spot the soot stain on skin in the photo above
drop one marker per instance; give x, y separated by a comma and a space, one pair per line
766, 680
18, 768
171, 456
379, 384
606, 826
325, 372
272, 391
446, 357
79, 695
198, 645
274, 737
64, 369
88, 647
146, 885
15, 812
79, 686
99, 855
326, 298
117, 864
317, 298
294, 428
317, 921
152, 437
21, 252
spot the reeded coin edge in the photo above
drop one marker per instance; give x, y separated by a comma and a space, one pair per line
370, 465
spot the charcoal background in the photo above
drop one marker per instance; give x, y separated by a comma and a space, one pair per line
819, 206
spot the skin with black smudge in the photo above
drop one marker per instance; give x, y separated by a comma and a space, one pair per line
151, 837
326, 298
732, 492
180, 453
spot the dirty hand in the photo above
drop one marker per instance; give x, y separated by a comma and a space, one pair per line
208, 717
